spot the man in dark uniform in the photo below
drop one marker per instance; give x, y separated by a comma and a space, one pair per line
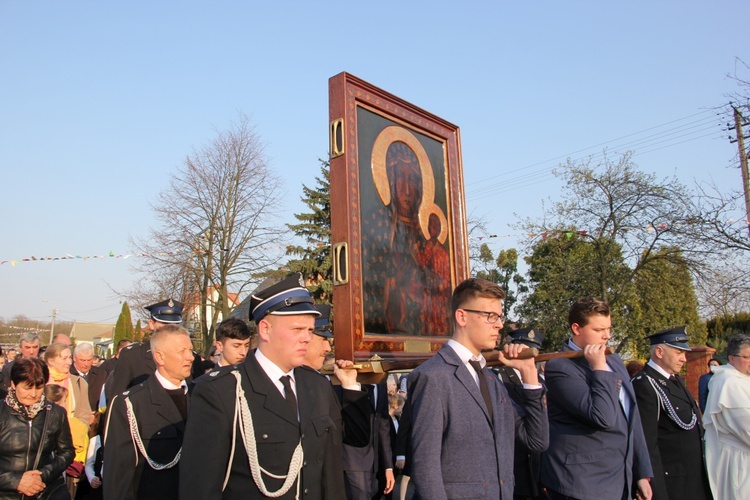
110, 363
268, 426
367, 455
525, 461
671, 421
136, 362
146, 425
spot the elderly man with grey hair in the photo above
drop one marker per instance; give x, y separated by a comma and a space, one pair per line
29, 348
727, 422
84, 367
143, 440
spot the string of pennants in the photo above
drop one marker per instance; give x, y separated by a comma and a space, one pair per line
24, 328
111, 255
558, 234
543, 235
569, 234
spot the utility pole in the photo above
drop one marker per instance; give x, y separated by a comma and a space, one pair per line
738, 119
52, 328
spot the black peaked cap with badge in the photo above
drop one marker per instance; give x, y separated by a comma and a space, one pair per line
674, 337
136, 362
527, 336
323, 322
166, 311
287, 297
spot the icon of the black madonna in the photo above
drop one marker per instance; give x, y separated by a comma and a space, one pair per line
405, 232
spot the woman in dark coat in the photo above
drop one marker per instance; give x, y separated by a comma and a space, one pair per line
35, 442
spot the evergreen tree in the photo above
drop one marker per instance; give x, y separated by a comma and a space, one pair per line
667, 298
124, 326
138, 333
314, 259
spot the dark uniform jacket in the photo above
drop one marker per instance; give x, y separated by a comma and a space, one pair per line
209, 446
676, 454
134, 366
126, 473
109, 364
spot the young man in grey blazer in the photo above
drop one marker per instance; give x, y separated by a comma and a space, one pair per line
464, 424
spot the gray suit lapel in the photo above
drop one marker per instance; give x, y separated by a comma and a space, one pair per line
465, 377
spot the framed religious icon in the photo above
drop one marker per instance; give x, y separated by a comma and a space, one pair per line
398, 223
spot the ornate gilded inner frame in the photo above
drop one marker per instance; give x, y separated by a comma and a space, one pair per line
398, 222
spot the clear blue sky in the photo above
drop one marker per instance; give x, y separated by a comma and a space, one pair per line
101, 102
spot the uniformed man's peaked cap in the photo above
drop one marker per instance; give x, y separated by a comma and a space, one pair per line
528, 336
286, 297
675, 337
166, 311
323, 322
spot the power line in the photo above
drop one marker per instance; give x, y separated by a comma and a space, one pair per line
674, 136
483, 181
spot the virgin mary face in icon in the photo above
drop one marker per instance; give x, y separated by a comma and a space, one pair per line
404, 170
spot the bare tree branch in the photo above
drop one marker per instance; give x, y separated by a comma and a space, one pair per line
216, 228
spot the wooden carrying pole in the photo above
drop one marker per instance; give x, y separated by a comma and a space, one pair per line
374, 370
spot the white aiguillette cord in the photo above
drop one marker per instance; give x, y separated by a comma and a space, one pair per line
244, 421
139, 443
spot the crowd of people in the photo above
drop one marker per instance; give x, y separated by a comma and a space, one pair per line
258, 419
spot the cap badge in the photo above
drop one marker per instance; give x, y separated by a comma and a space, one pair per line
301, 280
170, 303
531, 335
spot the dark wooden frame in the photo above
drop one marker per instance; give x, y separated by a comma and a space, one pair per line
348, 96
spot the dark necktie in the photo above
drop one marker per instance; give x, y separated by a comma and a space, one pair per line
483, 386
289, 393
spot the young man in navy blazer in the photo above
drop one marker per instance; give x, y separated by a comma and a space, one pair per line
597, 449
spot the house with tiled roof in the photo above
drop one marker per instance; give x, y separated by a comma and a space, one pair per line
91, 332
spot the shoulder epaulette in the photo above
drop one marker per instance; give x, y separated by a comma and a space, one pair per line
217, 373
306, 369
